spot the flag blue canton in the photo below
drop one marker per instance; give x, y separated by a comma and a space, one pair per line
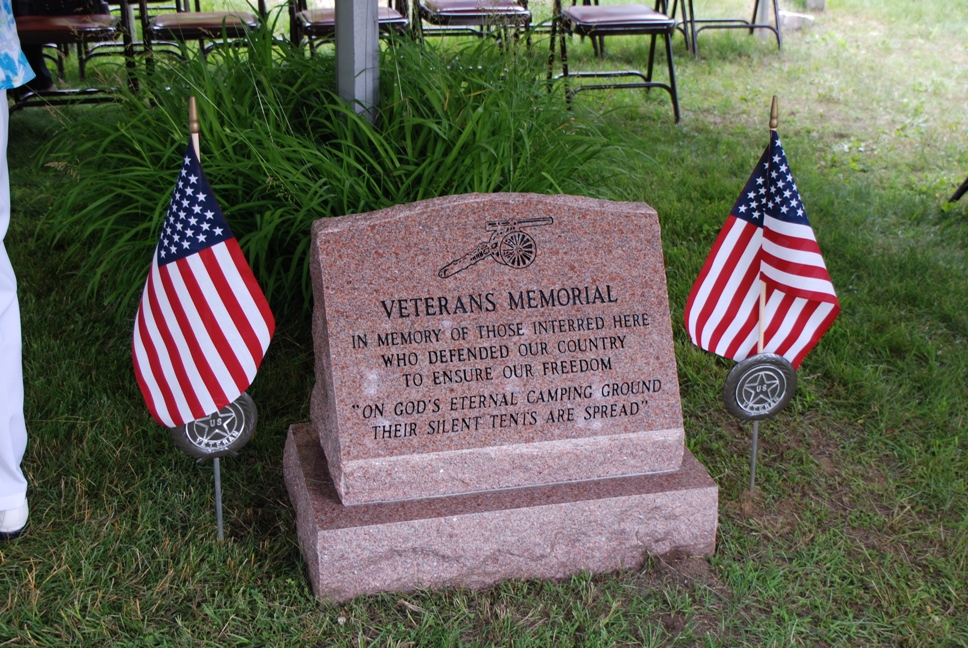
771, 190
194, 221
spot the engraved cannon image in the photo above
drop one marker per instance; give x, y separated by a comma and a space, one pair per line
509, 245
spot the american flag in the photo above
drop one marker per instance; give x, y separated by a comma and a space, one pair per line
203, 325
767, 238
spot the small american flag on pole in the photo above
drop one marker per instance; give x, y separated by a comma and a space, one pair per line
767, 238
203, 325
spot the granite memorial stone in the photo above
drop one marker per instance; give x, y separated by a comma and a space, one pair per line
496, 370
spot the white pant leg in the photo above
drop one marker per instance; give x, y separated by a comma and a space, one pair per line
13, 429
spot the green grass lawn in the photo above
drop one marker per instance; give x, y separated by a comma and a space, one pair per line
858, 532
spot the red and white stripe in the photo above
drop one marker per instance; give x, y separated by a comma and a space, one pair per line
794, 324
722, 311
202, 329
791, 261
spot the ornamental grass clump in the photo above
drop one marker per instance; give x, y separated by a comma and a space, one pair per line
281, 150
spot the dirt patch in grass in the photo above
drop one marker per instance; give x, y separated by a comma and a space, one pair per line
669, 575
675, 568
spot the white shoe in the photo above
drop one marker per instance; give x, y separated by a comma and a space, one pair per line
13, 522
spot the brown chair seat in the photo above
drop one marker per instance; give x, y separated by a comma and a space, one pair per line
476, 6
592, 19
206, 24
321, 23
87, 28
474, 12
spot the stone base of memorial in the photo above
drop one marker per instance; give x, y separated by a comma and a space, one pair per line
496, 397
479, 539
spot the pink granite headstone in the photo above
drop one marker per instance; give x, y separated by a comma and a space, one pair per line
496, 397
480, 342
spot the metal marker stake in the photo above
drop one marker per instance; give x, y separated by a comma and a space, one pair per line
756, 434
218, 498
759, 349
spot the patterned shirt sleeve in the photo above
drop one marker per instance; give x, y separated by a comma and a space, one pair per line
14, 69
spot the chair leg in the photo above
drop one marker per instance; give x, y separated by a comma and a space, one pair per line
62, 53
563, 47
294, 36
127, 37
82, 57
564, 62
648, 76
776, 21
149, 54
692, 25
776, 17
551, 51
672, 77
688, 26
959, 192
685, 24
598, 43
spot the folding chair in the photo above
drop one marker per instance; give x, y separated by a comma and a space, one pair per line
131, 22
689, 22
311, 25
598, 21
186, 25
473, 17
60, 31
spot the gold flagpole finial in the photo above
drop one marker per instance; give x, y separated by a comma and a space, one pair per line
774, 113
192, 115
193, 126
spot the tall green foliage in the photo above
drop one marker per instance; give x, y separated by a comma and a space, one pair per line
281, 150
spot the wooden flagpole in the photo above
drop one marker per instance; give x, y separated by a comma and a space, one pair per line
761, 318
194, 129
